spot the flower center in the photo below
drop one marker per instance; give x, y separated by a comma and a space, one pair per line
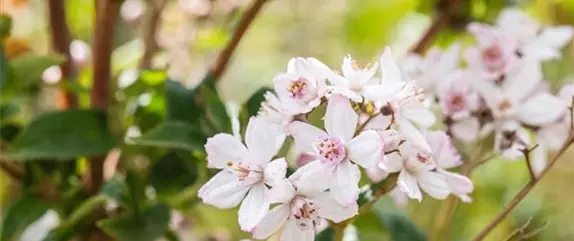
244, 170
423, 158
331, 149
298, 88
493, 57
304, 212
456, 102
504, 105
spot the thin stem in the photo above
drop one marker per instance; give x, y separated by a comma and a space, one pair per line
441, 21
520, 231
225, 55
526, 152
474, 165
150, 42
61, 43
106, 16
525, 190
16, 172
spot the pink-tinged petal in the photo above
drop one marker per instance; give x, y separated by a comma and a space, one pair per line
274, 171
347, 67
340, 118
466, 129
282, 83
518, 23
293, 232
434, 184
254, 207
412, 134
393, 162
227, 195
313, 179
379, 122
459, 184
383, 92
542, 108
330, 209
408, 184
389, 68
376, 174
400, 198
539, 159
263, 139
489, 91
220, 179
345, 92
271, 222
523, 79
365, 149
223, 148
391, 138
566, 93
305, 135
420, 115
345, 187
554, 135
281, 192
549, 42
444, 153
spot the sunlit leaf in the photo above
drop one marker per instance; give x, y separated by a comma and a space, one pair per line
172, 134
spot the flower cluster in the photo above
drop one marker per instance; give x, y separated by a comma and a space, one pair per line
380, 122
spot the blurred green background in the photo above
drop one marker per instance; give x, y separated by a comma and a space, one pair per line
191, 37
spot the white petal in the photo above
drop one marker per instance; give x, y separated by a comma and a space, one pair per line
547, 45
379, 122
305, 135
330, 209
540, 109
389, 68
384, 92
345, 92
347, 67
420, 115
293, 232
313, 178
413, 134
226, 195
490, 92
466, 129
539, 159
274, 171
434, 184
458, 183
263, 139
223, 148
221, 178
392, 163
282, 192
271, 222
345, 188
254, 207
408, 184
365, 149
444, 153
340, 118
522, 81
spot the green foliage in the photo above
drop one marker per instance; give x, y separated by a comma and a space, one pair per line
116, 189
25, 71
215, 111
173, 172
22, 213
254, 102
180, 103
172, 134
63, 135
150, 226
8, 110
5, 26
400, 227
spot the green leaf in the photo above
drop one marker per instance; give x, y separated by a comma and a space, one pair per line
86, 208
153, 77
154, 224
172, 173
62, 233
8, 110
180, 102
171, 235
9, 131
3, 69
63, 135
173, 134
215, 111
22, 213
254, 102
117, 190
400, 227
136, 186
26, 71
5, 26
326, 235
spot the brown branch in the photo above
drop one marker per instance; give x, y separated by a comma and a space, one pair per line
225, 55
525, 190
13, 170
61, 43
106, 15
441, 21
149, 37
526, 152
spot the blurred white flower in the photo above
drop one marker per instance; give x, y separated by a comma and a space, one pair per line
38, 230
52, 74
132, 9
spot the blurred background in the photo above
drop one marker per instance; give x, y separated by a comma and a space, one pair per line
190, 34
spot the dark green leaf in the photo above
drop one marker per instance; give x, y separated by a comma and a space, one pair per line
171, 235
400, 227
63, 135
136, 187
172, 173
62, 233
116, 189
86, 208
3, 69
154, 224
5, 26
173, 134
9, 131
22, 213
326, 235
254, 102
180, 102
215, 111
8, 110
26, 70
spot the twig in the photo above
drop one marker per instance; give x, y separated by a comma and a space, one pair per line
525, 190
439, 22
61, 43
390, 183
526, 152
521, 234
474, 165
150, 42
106, 15
16, 172
519, 231
572, 115
531, 234
227, 52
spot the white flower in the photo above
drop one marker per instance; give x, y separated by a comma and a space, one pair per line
302, 87
270, 110
303, 202
446, 156
246, 170
432, 69
417, 171
39, 229
516, 99
535, 41
336, 147
510, 139
354, 81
